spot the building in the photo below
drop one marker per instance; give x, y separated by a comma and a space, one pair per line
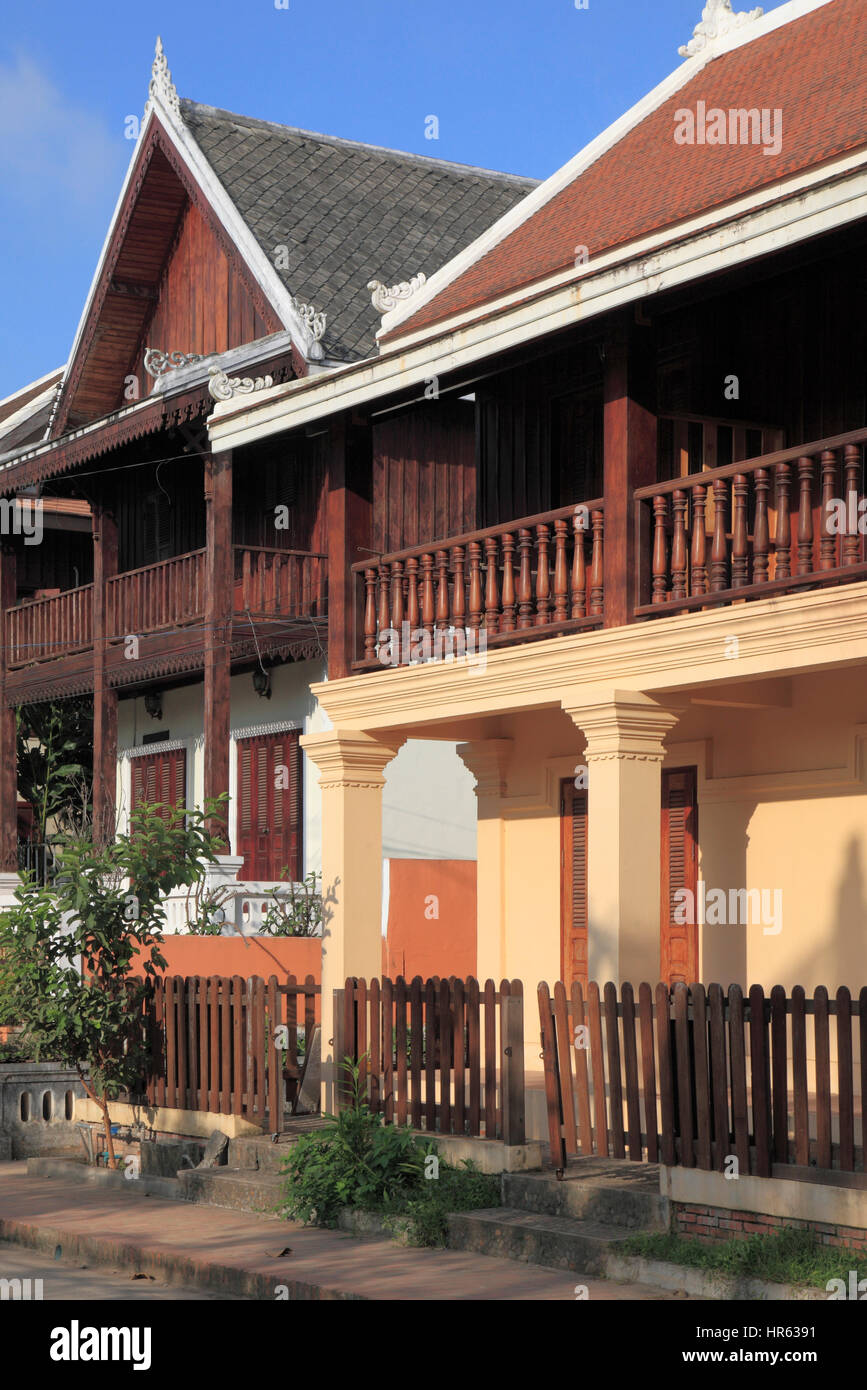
658, 572
240, 253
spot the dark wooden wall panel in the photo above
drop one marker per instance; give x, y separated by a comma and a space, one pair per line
290, 473
424, 474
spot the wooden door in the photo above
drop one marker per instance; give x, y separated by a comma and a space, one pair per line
679, 939
269, 806
160, 779
573, 883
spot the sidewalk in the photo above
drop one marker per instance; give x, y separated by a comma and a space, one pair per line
234, 1253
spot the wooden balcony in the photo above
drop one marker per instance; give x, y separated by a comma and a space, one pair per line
786, 521
533, 577
168, 598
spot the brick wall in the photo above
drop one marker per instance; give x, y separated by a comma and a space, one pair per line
718, 1223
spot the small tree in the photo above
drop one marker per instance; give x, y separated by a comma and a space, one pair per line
67, 953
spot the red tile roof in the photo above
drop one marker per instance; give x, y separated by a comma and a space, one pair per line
814, 69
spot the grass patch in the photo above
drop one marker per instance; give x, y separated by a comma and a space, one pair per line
789, 1256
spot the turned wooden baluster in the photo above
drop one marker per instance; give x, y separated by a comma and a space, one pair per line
761, 534
458, 597
579, 582
740, 537
597, 591
660, 549
507, 622
719, 555
475, 604
805, 516
543, 585
412, 611
442, 611
678, 545
851, 477
369, 614
384, 593
561, 578
492, 596
827, 536
427, 593
783, 534
525, 579
698, 558
396, 596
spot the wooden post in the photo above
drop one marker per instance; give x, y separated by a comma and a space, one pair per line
629, 428
104, 697
512, 1043
8, 757
219, 595
349, 511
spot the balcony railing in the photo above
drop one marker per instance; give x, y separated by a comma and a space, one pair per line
790, 520
50, 627
283, 583
536, 576
167, 595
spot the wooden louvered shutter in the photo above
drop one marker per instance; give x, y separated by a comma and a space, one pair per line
269, 819
160, 778
573, 878
679, 870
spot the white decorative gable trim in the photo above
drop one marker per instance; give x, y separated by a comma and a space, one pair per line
717, 19
161, 87
385, 298
166, 745
279, 726
314, 322
222, 387
156, 361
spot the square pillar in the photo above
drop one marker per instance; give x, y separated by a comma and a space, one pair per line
351, 776
487, 760
349, 513
104, 695
219, 604
625, 734
629, 430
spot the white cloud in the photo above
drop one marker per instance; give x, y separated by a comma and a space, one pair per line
51, 147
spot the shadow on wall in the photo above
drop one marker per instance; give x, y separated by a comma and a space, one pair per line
431, 918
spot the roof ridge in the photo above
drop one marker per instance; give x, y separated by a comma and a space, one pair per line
340, 140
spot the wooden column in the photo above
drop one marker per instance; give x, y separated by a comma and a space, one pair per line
219, 596
8, 758
629, 392
104, 697
350, 512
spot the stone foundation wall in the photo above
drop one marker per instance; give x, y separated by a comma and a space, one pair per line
711, 1224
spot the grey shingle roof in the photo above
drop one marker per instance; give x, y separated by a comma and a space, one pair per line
347, 212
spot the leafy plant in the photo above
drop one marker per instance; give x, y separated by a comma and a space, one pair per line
67, 954
787, 1256
298, 912
361, 1162
55, 764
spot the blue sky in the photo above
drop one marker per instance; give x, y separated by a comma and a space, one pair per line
519, 85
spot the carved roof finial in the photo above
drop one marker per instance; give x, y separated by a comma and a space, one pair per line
161, 84
717, 19
386, 297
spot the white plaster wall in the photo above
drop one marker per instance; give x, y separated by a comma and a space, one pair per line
429, 804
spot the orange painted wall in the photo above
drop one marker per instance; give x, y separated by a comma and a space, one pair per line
249, 955
443, 945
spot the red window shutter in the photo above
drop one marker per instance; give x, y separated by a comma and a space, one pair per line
160, 778
679, 870
573, 875
269, 825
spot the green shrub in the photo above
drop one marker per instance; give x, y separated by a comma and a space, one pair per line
358, 1161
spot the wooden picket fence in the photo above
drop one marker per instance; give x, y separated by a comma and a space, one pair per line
440, 1055
213, 1044
692, 1076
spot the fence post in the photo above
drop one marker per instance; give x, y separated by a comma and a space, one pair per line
512, 1041
337, 1052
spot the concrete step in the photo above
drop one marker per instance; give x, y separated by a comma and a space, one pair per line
264, 1153
556, 1242
242, 1189
630, 1199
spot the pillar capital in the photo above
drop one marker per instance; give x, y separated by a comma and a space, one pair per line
350, 757
487, 759
622, 724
